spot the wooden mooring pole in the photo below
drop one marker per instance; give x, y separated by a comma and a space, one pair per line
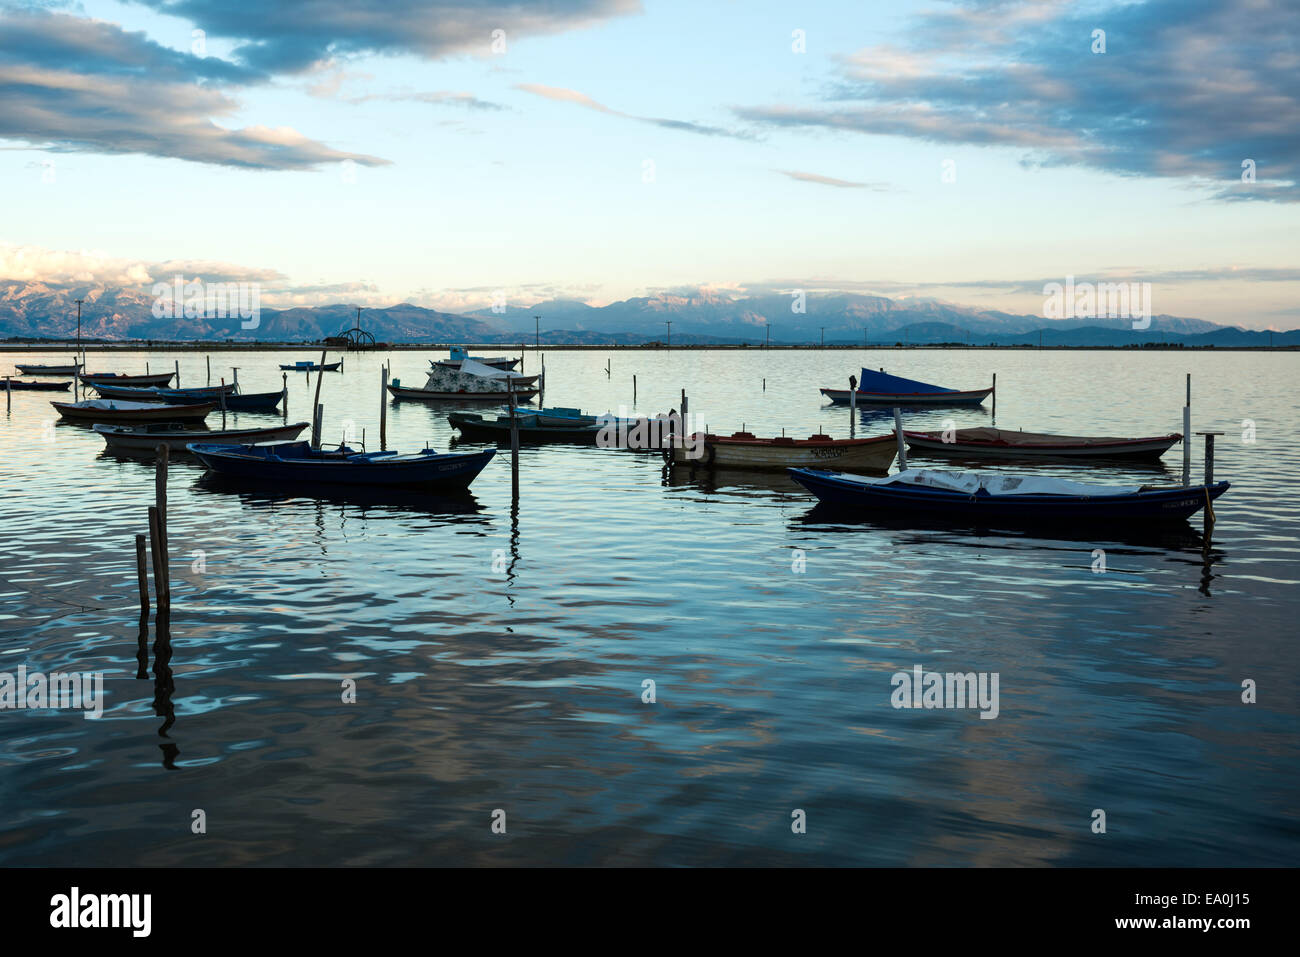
383, 409
902, 445
142, 574
156, 553
1187, 434
164, 584
514, 440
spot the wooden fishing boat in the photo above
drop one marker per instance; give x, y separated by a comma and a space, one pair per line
990, 496
299, 463
399, 391
880, 388
117, 378
27, 368
18, 385
116, 411
1006, 444
153, 393
742, 450
306, 365
221, 395
252, 401
459, 355
531, 429
146, 438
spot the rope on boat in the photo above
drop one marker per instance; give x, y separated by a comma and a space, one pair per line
1209, 506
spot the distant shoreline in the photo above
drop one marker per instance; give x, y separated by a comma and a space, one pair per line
311, 348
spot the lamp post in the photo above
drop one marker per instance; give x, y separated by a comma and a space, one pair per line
669, 323
823, 337
537, 332
78, 356
767, 343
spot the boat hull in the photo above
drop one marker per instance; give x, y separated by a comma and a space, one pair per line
29, 369
157, 394
505, 365
1078, 447
909, 399
111, 379
871, 454
126, 416
474, 426
19, 386
119, 438
327, 367
426, 395
453, 470
1153, 505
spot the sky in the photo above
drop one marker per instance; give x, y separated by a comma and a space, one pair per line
440, 151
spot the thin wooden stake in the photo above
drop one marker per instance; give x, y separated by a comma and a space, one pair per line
208, 360
902, 446
178, 373
156, 551
316, 402
160, 500
383, 408
142, 574
514, 440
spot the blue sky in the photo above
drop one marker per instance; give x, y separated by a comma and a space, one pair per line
383, 152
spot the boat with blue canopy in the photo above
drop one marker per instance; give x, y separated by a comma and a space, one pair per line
299, 463
881, 388
981, 496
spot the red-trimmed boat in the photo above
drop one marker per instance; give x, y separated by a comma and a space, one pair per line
743, 450
1008, 444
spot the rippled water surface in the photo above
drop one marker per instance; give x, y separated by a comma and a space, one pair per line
499, 654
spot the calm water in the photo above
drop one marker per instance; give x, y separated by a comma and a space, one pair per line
499, 654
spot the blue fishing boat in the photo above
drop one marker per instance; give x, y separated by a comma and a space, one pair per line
299, 463
984, 496
880, 388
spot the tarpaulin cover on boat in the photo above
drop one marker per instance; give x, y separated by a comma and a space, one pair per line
996, 483
884, 382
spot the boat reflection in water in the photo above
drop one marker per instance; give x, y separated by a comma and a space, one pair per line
460, 503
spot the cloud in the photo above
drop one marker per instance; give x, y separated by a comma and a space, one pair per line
831, 181
70, 84
37, 264
284, 38
562, 95
1183, 90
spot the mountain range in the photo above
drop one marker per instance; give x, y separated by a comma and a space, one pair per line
36, 310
